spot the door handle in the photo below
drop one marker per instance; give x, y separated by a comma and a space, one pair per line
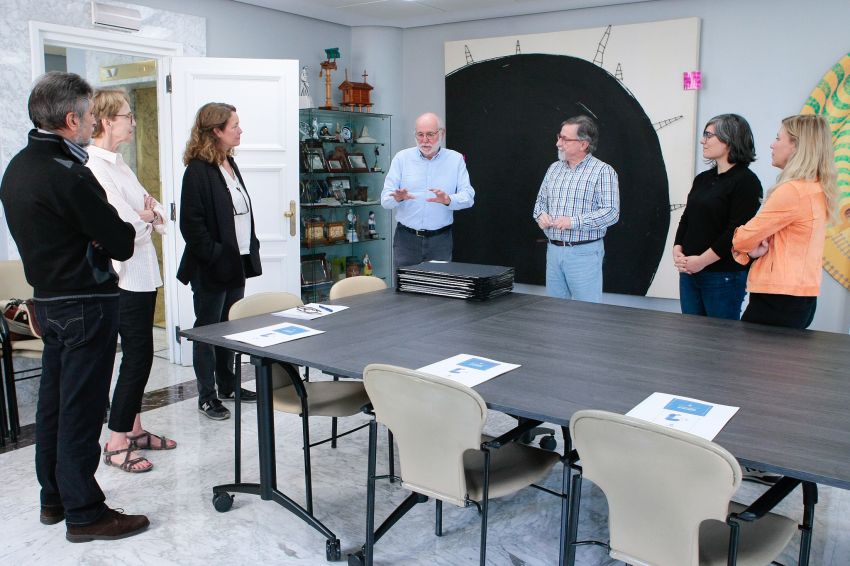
291, 215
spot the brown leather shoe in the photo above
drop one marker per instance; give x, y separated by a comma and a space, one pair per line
112, 525
52, 514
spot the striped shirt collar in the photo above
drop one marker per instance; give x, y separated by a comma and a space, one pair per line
77, 151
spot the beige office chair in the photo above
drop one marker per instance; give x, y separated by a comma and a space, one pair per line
305, 398
356, 286
438, 425
13, 285
669, 496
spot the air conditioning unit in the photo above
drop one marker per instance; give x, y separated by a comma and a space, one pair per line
115, 17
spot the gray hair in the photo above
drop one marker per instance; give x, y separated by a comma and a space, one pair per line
54, 95
735, 132
587, 130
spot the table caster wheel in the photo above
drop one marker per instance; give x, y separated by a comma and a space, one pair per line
526, 438
332, 551
222, 502
548, 443
357, 559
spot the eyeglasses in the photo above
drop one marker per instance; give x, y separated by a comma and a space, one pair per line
129, 115
243, 206
565, 139
708, 135
308, 310
428, 135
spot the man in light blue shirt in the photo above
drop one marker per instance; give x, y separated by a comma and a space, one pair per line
425, 185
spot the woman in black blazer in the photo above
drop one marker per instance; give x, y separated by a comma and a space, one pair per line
217, 223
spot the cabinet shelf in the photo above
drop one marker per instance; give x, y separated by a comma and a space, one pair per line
343, 243
320, 205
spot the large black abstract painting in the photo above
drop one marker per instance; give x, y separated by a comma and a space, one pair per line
503, 113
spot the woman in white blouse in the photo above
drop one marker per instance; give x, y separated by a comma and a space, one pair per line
138, 279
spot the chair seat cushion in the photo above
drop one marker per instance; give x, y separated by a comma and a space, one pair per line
760, 542
512, 467
324, 398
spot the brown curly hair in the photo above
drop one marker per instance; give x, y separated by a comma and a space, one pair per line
203, 143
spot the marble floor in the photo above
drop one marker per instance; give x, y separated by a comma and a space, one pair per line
186, 529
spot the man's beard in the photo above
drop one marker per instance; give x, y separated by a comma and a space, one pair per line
561, 155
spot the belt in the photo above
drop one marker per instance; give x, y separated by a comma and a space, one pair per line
570, 244
425, 233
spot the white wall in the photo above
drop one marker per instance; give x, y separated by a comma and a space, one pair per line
759, 58
241, 30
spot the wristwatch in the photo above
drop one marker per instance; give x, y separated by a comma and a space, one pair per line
346, 134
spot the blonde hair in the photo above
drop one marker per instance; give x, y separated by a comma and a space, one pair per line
813, 158
106, 104
203, 143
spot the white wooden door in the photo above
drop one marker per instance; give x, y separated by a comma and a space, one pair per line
265, 94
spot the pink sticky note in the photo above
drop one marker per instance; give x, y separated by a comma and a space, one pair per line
692, 80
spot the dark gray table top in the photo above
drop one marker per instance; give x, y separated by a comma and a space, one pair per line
792, 386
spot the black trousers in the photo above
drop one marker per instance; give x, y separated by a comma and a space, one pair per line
410, 249
79, 350
213, 365
136, 310
781, 310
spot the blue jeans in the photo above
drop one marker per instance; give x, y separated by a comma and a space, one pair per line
717, 294
213, 365
79, 351
575, 272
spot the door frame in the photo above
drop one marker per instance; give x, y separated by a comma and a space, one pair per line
162, 51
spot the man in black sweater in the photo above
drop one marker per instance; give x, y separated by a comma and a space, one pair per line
67, 235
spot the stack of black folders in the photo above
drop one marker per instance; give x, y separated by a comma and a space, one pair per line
458, 280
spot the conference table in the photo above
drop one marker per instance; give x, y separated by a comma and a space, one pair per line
791, 386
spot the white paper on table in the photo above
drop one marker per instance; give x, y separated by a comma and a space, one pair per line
298, 312
697, 417
468, 370
275, 334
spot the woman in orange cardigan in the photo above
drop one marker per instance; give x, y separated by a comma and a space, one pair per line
785, 239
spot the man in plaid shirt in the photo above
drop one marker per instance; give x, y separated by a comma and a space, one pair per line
578, 199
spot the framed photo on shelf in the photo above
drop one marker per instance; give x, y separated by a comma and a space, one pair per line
357, 162
314, 233
339, 183
360, 193
335, 165
336, 231
314, 269
314, 159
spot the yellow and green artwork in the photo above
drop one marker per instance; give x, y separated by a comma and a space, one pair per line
831, 99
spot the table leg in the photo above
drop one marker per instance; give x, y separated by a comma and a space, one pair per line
267, 488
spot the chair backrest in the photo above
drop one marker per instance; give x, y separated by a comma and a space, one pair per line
355, 286
264, 303
660, 484
13, 282
434, 421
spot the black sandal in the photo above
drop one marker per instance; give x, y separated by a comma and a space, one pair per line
127, 465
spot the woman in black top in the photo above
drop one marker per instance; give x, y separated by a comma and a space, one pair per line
222, 249
726, 196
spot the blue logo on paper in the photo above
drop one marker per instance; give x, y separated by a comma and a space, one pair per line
689, 407
477, 363
672, 417
290, 330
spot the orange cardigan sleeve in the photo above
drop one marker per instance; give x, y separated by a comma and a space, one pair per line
780, 209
